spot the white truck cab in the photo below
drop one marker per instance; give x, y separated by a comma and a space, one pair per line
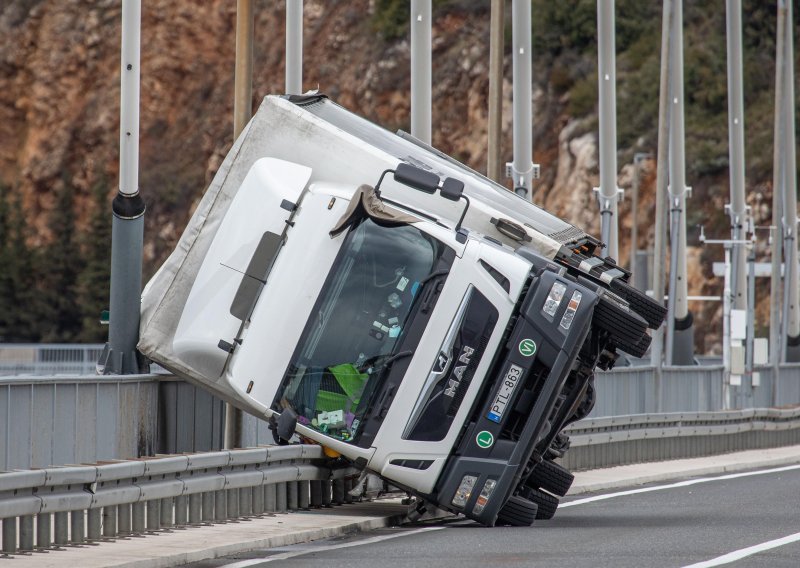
380, 322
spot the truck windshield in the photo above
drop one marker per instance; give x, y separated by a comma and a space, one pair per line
356, 325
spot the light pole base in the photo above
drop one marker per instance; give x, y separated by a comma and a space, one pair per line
793, 349
683, 341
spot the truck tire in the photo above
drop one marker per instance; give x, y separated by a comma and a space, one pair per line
517, 512
551, 477
653, 312
640, 348
625, 326
546, 503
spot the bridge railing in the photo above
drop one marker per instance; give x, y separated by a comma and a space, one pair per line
72, 505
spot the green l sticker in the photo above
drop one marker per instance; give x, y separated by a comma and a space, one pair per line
484, 439
527, 347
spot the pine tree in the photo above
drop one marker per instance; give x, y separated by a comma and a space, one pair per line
60, 263
94, 280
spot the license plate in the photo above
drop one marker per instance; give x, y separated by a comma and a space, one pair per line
507, 386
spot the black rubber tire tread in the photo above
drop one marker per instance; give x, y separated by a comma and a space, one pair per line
652, 312
640, 348
551, 477
625, 326
517, 512
546, 503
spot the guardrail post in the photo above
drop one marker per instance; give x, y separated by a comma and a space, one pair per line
233, 503
181, 515
43, 530
165, 516
139, 517
78, 526
338, 491
110, 521
196, 507
153, 515
246, 502
291, 490
304, 488
326, 492
62, 527
315, 490
10, 535
258, 499
94, 524
270, 498
220, 508
348, 485
280, 497
124, 519
208, 507
26, 532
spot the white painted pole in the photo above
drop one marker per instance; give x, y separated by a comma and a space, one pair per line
421, 78
726, 331
738, 212
791, 284
522, 102
294, 47
776, 291
678, 352
661, 190
608, 192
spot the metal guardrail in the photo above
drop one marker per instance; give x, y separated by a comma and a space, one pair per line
620, 440
51, 507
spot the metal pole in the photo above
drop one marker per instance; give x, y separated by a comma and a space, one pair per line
661, 190
775, 337
127, 228
791, 282
737, 211
242, 112
680, 333
751, 315
522, 102
726, 331
243, 73
493, 166
608, 192
638, 279
421, 70
294, 47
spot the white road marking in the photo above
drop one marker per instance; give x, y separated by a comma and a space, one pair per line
315, 549
686, 483
745, 552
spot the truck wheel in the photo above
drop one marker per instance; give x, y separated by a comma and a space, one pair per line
640, 348
653, 312
517, 512
551, 477
624, 325
546, 503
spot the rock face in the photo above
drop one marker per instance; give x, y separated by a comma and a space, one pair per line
59, 99
59, 104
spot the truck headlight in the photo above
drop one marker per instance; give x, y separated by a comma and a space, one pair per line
483, 498
554, 298
572, 307
464, 491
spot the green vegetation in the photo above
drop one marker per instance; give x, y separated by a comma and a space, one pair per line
54, 293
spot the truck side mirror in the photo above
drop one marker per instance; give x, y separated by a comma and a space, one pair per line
287, 424
452, 189
416, 178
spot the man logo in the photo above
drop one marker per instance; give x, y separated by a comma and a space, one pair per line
441, 363
453, 383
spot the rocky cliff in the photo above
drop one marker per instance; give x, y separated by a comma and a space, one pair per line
59, 100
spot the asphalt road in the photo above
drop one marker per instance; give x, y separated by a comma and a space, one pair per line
665, 525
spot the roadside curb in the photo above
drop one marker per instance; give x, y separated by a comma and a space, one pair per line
633, 475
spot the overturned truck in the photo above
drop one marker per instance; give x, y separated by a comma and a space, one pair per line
364, 291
